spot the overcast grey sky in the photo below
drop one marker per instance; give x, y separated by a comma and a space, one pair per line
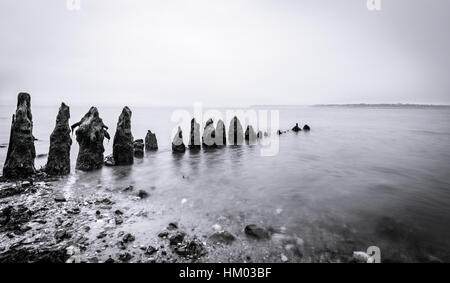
225, 52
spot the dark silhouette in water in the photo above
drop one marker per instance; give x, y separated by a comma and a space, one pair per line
151, 143
259, 135
177, 143
58, 162
250, 135
306, 128
90, 135
21, 152
138, 146
235, 132
123, 150
221, 136
194, 140
296, 128
209, 135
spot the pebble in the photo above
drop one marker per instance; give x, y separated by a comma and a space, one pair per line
60, 198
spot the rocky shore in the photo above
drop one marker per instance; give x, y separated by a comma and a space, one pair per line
39, 223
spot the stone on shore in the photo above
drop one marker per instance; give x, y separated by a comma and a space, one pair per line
142, 194
221, 135
21, 151
209, 135
58, 162
194, 140
123, 150
138, 146
306, 128
250, 135
177, 143
90, 135
151, 143
235, 132
296, 128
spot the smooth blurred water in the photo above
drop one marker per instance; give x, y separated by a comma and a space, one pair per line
361, 177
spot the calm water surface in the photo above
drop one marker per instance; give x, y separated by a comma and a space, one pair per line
361, 177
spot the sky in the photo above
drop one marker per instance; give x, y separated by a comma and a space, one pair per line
225, 53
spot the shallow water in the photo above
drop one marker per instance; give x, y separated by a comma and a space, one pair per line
361, 177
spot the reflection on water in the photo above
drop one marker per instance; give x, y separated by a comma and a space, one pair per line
361, 177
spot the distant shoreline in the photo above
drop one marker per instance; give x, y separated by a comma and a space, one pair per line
398, 105
361, 105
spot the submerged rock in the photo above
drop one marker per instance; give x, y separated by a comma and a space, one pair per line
12, 191
118, 219
142, 194
193, 249
194, 141
256, 232
296, 128
176, 238
125, 257
90, 135
58, 162
123, 150
128, 238
209, 135
222, 237
109, 160
177, 143
221, 135
21, 151
60, 198
235, 132
151, 143
306, 128
250, 135
150, 250
138, 146
172, 226
292, 243
61, 235
21, 254
13, 217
